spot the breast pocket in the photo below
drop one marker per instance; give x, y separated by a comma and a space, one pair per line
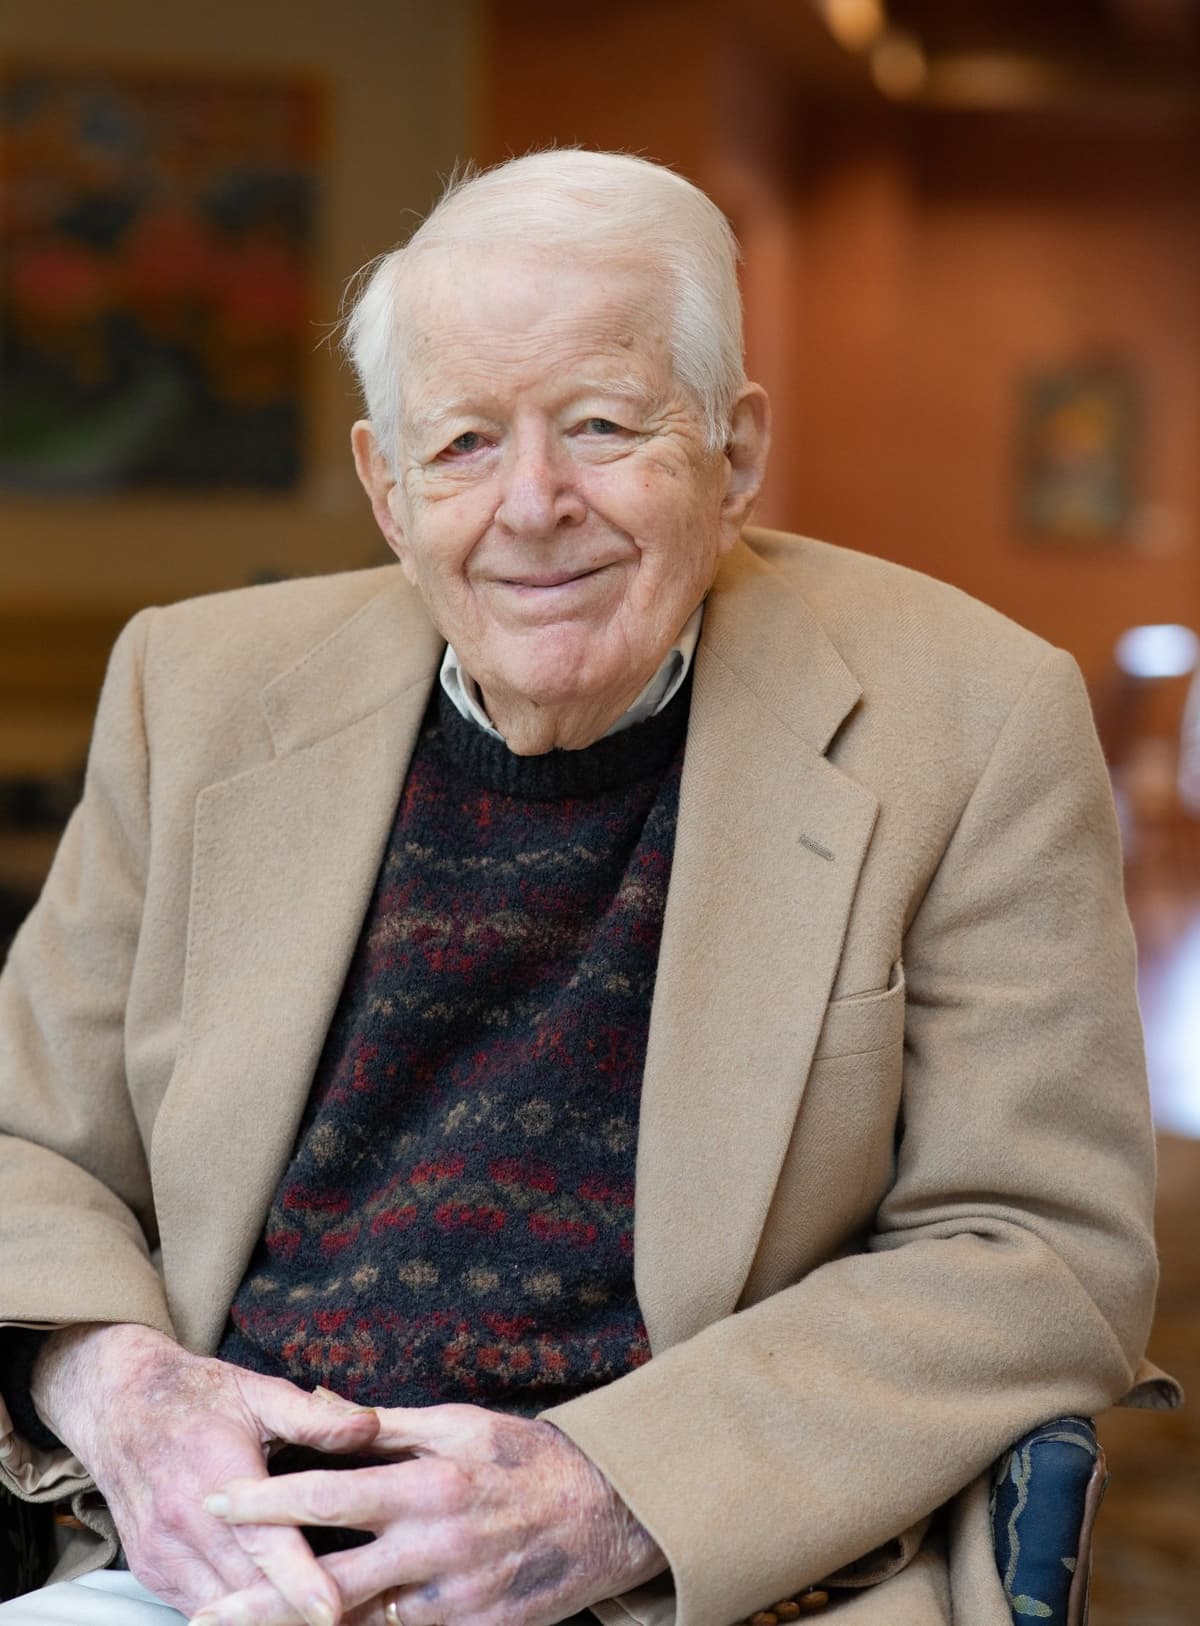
862, 1023
839, 1162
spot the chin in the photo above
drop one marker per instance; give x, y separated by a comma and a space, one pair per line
554, 689
555, 675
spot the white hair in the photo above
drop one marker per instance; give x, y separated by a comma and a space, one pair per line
568, 199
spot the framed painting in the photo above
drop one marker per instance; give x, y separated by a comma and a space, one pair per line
1077, 451
156, 243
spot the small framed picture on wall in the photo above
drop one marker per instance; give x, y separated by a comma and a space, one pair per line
1077, 452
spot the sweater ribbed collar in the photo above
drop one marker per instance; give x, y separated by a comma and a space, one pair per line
617, 760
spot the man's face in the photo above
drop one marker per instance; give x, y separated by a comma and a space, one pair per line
554, 502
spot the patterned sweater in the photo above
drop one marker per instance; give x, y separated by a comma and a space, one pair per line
456, 1221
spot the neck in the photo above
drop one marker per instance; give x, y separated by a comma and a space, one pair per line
529, 729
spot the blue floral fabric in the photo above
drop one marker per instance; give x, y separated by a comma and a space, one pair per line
1039, 1489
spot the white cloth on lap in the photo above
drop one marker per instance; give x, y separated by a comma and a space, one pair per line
103, 1598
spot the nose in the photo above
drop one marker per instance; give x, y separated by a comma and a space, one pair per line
539, 495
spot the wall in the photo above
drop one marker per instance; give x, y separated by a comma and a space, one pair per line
643, 78
940, 267
902, 273
400, 81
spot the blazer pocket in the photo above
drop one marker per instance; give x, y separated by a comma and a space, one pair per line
860, 1023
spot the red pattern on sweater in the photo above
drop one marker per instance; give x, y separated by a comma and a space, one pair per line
456, 1221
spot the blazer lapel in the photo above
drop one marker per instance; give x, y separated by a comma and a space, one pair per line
770, 841
285, 859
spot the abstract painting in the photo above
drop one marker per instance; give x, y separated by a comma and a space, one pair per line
156, 244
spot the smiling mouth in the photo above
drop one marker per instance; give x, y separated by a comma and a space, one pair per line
556, 578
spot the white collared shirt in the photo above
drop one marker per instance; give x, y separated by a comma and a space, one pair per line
658, 693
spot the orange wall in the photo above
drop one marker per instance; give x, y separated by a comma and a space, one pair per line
937, 270
629, 75
902, 273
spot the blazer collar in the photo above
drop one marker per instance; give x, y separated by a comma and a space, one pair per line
388, 646
786, 661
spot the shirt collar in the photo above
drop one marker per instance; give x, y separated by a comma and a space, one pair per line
662, 688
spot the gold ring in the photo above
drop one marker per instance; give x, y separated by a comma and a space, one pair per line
391, 1609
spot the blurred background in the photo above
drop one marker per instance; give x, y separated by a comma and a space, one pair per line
972, 273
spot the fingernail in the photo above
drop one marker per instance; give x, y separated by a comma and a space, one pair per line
218, 1506
323, 1393
318, 1613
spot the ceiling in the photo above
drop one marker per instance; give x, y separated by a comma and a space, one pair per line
1137, 57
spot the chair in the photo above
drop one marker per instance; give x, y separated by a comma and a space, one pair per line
1046, 1493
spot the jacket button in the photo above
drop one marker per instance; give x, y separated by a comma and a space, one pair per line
788, 1609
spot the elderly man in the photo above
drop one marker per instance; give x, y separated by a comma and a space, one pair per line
765, 883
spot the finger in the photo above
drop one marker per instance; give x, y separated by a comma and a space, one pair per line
263, 1605
370, 1614
285, 1559
409, 1606
234, 1567
259, 1605
246, 1554
284, 1593
322, 1420
427, 1428
358, 1499
364, 1577
369, 1575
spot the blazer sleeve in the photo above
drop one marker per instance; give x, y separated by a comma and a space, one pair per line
1010, 1274
77, 1219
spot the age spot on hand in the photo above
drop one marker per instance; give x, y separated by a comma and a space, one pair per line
541, 1571
513, 1447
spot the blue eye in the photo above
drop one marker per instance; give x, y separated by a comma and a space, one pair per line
603, 426
468, 441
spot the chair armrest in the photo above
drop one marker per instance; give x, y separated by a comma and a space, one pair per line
1046, 1493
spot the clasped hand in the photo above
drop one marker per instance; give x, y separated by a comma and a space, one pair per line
485, 1518
479, 1517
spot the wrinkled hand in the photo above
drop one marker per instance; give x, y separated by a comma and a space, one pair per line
159, 1429
491, 1519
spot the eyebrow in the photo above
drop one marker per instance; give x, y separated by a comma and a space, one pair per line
437, 413
626, 388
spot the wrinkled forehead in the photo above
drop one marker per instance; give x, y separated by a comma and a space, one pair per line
471, 313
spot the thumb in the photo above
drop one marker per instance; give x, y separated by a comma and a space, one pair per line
322, 1420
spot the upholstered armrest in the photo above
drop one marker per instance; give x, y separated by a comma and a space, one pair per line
1046, 1492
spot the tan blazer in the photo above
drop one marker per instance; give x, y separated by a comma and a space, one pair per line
895, 1166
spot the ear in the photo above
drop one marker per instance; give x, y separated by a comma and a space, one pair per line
746, 453
379, 482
